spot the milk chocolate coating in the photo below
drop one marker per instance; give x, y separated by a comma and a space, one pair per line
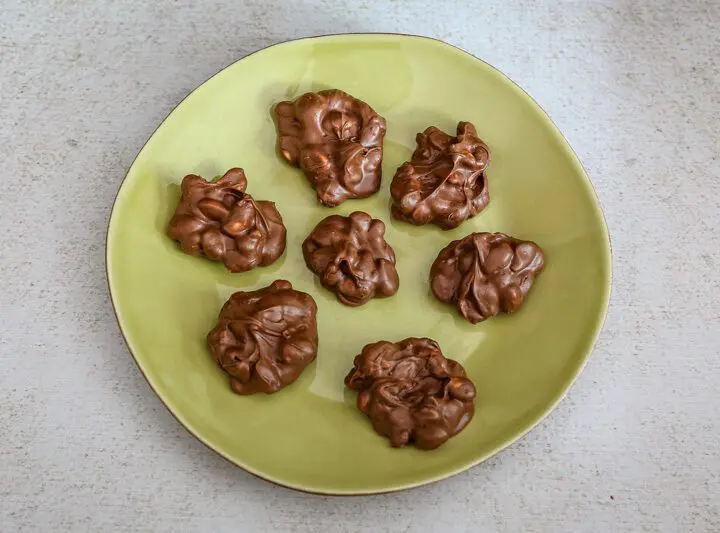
411, 392
222, 222
486, 273
336, 139
264, 339
444, 182
352, 259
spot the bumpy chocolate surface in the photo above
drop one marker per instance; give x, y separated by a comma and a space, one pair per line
264, 339
486, 273
411, 392
352, 259
444, 182
222, 222
336, 140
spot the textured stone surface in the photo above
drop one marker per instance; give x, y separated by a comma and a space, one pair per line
86, 446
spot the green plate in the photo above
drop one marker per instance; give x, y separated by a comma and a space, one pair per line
310, 436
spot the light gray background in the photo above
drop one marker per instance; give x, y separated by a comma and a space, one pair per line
86, 446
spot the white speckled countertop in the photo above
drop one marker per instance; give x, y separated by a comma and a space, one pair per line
86, 446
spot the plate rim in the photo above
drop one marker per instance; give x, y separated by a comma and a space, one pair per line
599, 321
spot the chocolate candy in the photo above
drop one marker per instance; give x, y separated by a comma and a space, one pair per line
352, 259
444, 182
411, 392
222, 222
486, 273
336, 139
264, 339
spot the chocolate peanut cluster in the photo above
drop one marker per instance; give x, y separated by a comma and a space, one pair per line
220, 221
411, 392
264, 339
352, 258
486, 273
336, 140
444, 182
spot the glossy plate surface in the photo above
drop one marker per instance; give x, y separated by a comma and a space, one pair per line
310, 435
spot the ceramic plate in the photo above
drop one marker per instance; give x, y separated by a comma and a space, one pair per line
310, 436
